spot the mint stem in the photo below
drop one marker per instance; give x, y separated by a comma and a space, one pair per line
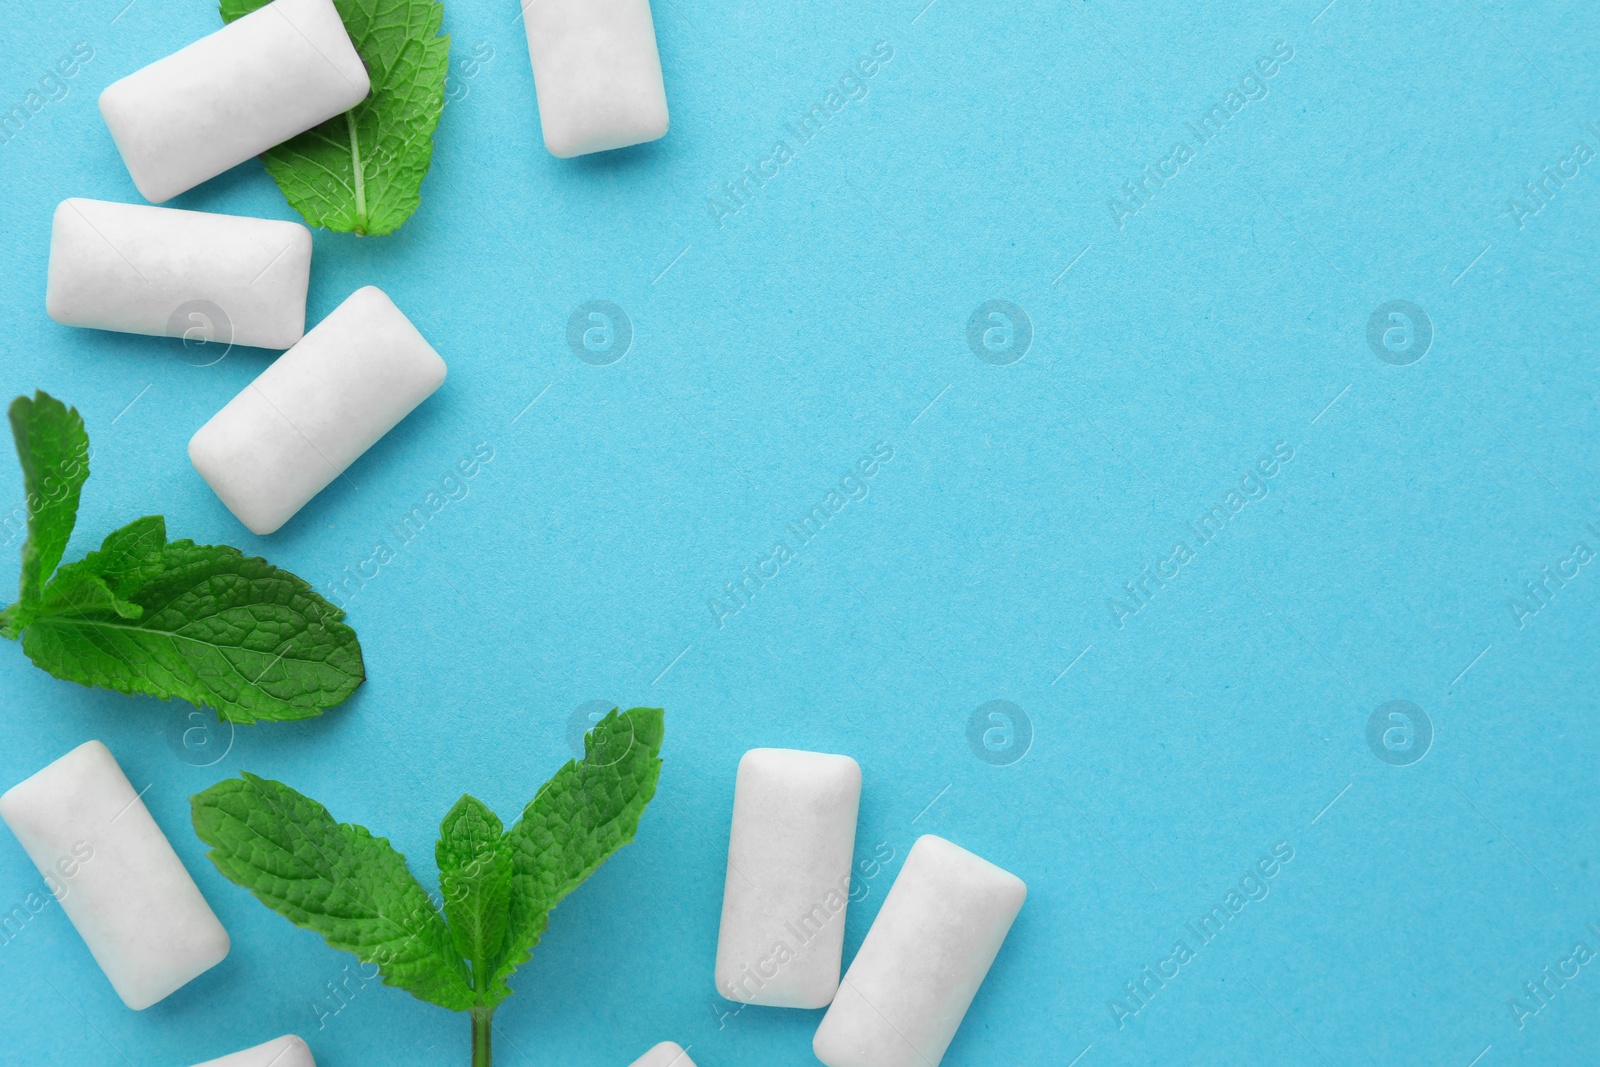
481, 1021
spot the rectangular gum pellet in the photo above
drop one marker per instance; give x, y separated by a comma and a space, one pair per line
115, 874
922, 962
666, 1054
596, 74
285, 1051
257, 82
167, 273
314, 411
788, 880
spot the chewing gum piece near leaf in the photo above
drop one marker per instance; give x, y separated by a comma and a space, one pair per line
313, 412
788, 881
162, 272
115, 875
233, 94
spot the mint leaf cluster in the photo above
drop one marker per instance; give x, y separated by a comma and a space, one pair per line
498, 886
168, 619
361, 172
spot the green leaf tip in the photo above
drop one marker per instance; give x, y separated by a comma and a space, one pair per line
497, 886
475, 881
53, 447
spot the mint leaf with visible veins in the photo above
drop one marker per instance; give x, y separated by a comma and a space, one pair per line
361, 172
498, 886
586, 812
333, 878
142, 615
204, 623
475, 881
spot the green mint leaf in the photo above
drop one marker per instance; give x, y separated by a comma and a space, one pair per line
202, 623
586, 812
333, 878
498, 887
54, 449
198, 622
475, 881
361, 172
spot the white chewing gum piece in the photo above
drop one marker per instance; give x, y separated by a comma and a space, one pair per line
922, 962
162, 272
233, 94
666, 1054
596, 74
115, 874
285, 1051
788, 880
323, 403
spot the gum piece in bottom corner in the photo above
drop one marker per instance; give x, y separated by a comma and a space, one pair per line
116, 875
666, 1054
928, 951
285, 1051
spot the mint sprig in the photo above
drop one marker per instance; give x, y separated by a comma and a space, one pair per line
168, 619
361, 172
498, 886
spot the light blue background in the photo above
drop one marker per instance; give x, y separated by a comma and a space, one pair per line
828, 315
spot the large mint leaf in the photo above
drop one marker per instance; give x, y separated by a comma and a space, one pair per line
585, 813
54, 449
202, 623
361, 172
333, 878
475, 881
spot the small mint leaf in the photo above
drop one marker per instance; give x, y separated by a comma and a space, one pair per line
475, 881
131, 555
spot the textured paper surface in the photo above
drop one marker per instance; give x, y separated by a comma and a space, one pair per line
766, 358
